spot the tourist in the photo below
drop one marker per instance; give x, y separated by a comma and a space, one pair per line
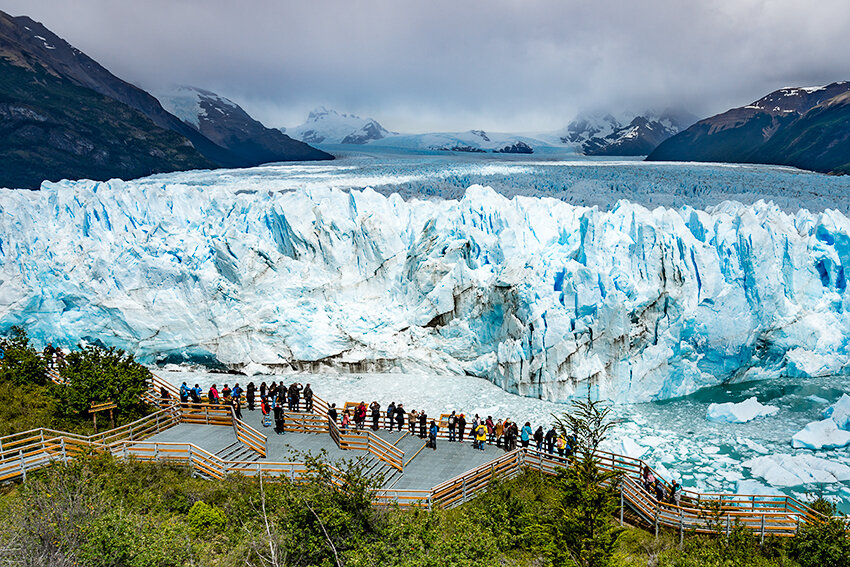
60, 358
525, 434
279, 424
184, 393
391, 415
346, 420
195, 394
412, 418
560, 444
538, 438
480, 435
572, 445
48, 353
399, 416
452, 427
648, 479
250, 394
212, 395
264, 406
237, 393
423, 424
499, 432
491, 429
295, 396
550, 440
660, 491
676, 493
432, 435
308, 398
461, 427
360, 415
332, 414
225, 393
264, 390
237, 407
514, 435
375, 409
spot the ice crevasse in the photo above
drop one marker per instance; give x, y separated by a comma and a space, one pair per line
543, 298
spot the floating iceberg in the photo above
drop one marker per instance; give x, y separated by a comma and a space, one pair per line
794, 470
839, 412
740, 412
541, 297
818, 435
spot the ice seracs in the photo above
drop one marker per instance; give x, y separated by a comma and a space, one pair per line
542, 298
741, 412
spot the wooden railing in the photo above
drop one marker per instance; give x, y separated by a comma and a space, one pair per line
305, 423
249, 436
462, 487
31, 450
365, 440
206, 414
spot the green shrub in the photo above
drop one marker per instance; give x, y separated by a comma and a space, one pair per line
206, 519
22, 364
97, 375
825, 542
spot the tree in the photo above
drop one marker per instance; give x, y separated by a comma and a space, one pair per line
97, 375
582, 530
21, 364
822, 541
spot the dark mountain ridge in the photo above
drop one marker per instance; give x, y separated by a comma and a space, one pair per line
803, 127
62, 115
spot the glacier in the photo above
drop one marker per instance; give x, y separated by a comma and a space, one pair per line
539, 296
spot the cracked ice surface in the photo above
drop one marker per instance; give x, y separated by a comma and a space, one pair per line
540, 297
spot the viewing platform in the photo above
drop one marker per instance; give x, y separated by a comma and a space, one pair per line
215, 443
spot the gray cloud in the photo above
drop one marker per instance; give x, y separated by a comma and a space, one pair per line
458, 64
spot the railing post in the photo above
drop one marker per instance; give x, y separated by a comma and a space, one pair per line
292, 472
463, 497
657, 510
727, 526
622, 503
761, 543
157, 423
23, 467
64, 456
156, 451
681, 528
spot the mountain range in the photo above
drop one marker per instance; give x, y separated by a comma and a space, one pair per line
805, 127
63, 115
589, 134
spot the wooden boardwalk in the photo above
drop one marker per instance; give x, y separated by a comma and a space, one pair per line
214, 443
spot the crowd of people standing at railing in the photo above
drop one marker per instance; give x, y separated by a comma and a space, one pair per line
274, 400
505, 434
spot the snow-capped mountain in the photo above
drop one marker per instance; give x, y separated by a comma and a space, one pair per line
477, 141
228, 125
625, 134
807, 127
325, 126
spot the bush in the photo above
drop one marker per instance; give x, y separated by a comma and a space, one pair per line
22, 364
206, 519
97, 375
825, 542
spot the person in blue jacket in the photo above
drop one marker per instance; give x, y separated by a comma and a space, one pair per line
432, 435
525, 434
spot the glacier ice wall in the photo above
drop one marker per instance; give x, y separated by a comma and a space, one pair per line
541, 297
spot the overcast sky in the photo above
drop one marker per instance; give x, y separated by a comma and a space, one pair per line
512, 65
